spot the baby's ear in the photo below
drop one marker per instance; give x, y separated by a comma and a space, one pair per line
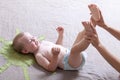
24, 51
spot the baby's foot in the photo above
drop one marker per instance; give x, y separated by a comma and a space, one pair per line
95, 12
87, 26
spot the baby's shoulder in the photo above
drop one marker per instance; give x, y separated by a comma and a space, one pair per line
37, 55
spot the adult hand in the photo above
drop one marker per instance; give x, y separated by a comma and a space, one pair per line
92, 36
99, 22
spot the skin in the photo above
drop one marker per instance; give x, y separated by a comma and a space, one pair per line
51, 61
79, 45
32, 45
94, 11
82, 41
92, 37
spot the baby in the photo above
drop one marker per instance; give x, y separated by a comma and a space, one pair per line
52, 55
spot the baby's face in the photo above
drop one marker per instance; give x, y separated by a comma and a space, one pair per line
31, 44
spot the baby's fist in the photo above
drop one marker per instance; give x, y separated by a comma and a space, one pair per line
55, 51
60, 30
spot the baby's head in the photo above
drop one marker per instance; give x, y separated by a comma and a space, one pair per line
25, 43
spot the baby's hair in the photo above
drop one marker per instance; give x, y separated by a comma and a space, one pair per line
17, 44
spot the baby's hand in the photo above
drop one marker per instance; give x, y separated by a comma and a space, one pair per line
60, 30
55, 51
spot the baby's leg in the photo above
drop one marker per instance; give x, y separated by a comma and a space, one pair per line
75, 57
79, 37
95, 12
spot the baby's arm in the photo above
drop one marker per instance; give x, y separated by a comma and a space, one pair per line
45, 63
60, 31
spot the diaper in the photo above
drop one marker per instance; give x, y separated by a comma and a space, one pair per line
66, 64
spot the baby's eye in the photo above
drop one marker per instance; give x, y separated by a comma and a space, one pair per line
30, 41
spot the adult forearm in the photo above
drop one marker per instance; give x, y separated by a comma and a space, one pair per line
114, 32
111, 59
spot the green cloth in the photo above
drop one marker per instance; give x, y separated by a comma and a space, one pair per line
15, 58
